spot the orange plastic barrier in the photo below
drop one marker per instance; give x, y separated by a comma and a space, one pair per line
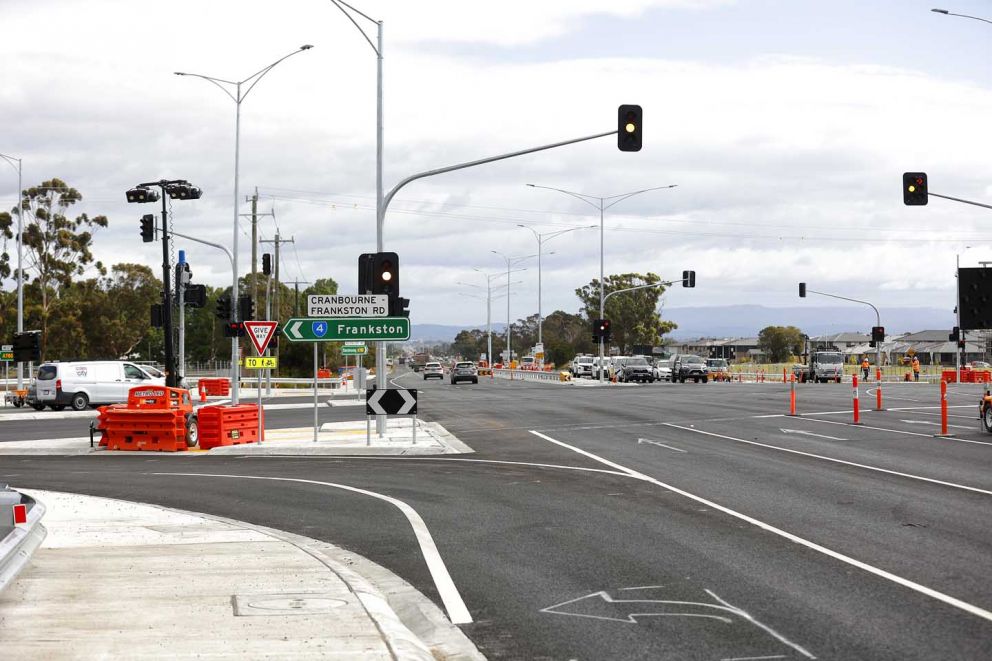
323, 373
220, 386
229, 425
154, 419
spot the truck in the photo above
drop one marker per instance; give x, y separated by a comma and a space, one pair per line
823, 365
419, 359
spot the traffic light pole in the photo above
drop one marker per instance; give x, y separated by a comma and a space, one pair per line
878, 320
170, 358
380, 353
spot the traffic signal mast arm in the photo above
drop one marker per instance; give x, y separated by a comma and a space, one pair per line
878, 317
662, 283
958, 199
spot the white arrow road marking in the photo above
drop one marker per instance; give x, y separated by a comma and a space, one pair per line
294, 330
457, 611
809, 433
935, 424
977, 611
648, 440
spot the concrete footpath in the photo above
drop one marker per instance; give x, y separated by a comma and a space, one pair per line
116, 579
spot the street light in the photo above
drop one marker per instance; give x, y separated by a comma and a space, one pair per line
510, 262
20, 260
489, 299
601, 204
238, 97
541, 238
947, 13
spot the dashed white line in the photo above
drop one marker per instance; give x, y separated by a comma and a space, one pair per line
667, 447
881, 573
457, 611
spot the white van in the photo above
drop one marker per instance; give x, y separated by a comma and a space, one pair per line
80, 384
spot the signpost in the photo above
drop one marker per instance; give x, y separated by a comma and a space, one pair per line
390, 401
326, 329
6, 357
260, 333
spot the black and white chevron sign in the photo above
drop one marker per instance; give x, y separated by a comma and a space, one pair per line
391, 401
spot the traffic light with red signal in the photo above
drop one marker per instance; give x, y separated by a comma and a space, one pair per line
914, 188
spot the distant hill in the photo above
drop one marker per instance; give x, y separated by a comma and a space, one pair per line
442, 333
747, 320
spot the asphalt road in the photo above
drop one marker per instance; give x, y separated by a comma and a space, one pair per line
667, 521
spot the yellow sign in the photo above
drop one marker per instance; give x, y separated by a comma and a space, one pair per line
261, 362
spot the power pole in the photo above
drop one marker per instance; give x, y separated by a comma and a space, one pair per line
296, 285
254, 246
278, 241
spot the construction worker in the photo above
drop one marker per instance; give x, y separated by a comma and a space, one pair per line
916, 368
865, 367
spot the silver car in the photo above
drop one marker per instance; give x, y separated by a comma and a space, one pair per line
464, 371
433, 371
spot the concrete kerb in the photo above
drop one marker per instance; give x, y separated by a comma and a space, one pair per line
410, 624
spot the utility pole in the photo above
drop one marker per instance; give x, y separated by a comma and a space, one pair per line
296, 286
254, 246
278, 241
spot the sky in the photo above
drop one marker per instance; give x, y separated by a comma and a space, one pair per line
785, 126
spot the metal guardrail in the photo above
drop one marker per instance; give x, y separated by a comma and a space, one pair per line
17, 546
527, 375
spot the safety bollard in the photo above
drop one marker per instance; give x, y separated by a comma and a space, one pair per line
857, 411
878, 391
783, 375
943, 408
792, 395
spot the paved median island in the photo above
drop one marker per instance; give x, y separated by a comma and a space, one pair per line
116, 579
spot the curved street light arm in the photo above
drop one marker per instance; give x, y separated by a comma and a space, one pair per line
878, 317
338, 3
215, 81
261, 73
620, 198
588, 199
10, 161
663, 283
206, 243
948, 13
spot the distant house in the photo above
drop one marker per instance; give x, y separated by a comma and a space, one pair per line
840, 341
737, 348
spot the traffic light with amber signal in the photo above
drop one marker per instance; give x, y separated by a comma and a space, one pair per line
688, 278
629, 128
914, 188
148, 228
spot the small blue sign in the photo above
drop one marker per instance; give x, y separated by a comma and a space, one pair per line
320, 328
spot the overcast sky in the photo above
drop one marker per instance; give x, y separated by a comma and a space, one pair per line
785, 124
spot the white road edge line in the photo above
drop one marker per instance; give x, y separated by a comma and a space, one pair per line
838, 461
457, 611
669, 447
895, 431
767, 629
881, 573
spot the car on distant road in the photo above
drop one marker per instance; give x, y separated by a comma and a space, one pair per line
582, 366
718, 368
634, 368
433, 371
688, 367
464, 371
662, 369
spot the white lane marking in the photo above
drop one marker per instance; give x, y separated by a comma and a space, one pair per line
337, 458
924, 408
457, 611
837, 461
809, 433
881, 573
931, 423
949, 415
770, 415
643, 587
897, 431
753, 658
648, 440
774, 634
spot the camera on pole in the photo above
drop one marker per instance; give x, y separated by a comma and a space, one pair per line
142, 195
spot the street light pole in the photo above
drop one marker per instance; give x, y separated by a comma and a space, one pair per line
20, 259
238, 97
510, 261
489, 291
541, 238
601, 204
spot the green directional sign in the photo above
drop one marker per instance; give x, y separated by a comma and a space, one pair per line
353, 351
326, 329
6, 356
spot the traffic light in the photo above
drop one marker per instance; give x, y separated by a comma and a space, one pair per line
266, 264
27, 347
914, 188
223, 308
386, 274
195, 296
148, 228
157, 317
629, 128
601, 329
246, 308
961, 344
234, 329
878, 333
398, 307
802, 290
141, 195
955, 335
688, 278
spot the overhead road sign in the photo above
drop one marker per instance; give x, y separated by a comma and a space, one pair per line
348, 305
390, 401
354, 351
260, 333
261, 362
389, 329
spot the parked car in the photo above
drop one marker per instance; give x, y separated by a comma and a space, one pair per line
82, 384
662, 369
433, 371
634, 368
718, 368
464, 371
582, 366
688, 366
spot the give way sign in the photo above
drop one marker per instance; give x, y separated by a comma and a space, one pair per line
260, 333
